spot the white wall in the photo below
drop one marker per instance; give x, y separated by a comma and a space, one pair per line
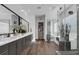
50, 16
31, 19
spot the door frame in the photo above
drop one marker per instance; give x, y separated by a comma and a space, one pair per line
37, 19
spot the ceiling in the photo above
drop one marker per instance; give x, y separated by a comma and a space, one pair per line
35, 9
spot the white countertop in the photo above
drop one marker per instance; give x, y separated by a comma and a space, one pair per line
4, 41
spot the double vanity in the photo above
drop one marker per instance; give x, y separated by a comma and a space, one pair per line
15, 45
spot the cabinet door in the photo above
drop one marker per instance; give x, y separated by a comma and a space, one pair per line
23, 43
30, 37
19, 47
28, 40
4, 50
12, 48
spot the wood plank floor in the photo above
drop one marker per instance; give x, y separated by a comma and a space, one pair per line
41, 48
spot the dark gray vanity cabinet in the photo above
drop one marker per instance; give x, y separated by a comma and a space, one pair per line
28, 40
4, 50
12, 48
19, 46
16, 47
23, 43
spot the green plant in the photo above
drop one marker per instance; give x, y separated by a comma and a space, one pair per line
18, 29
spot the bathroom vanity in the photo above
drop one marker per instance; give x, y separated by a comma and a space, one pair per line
15, 45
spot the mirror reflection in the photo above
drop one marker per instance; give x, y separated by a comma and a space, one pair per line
11, 24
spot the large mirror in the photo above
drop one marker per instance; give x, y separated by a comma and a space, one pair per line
5, 20
11, 23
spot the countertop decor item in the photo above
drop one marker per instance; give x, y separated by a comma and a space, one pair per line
18, 29
21, 29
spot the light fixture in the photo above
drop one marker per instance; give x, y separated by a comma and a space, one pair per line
70, 12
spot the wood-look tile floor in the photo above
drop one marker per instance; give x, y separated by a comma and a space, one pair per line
41, 48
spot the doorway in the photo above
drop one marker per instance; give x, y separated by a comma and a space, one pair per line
39, 27
40, 30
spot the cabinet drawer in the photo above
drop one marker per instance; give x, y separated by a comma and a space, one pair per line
23, 43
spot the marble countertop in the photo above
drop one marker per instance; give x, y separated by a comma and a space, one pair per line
4, 41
